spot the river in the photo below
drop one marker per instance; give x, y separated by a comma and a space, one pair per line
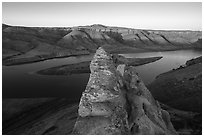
170, 60
21, 81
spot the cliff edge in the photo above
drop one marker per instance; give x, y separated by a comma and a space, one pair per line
116, 101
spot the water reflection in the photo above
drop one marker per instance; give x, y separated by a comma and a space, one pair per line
18, 81
170, 60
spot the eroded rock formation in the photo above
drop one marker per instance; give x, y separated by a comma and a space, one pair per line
116, 101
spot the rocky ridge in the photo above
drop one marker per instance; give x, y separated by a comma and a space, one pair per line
116, 101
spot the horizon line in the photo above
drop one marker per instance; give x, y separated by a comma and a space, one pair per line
99, 24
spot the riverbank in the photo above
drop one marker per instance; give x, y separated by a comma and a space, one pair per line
57, 116
83, 67
21, 59
181, 88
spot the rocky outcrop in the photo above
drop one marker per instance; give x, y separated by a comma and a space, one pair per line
116, 101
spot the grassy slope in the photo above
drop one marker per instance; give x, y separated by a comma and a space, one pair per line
180, 88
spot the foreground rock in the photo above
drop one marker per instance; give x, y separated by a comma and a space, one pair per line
116, 101
83, 67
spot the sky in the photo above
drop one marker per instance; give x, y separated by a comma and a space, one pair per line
165, 16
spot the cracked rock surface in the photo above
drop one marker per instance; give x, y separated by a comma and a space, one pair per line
116, 101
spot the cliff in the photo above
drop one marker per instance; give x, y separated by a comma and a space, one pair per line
116, 101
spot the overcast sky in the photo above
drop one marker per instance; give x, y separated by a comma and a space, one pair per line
173, 16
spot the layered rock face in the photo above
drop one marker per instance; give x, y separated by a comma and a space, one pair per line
116, 101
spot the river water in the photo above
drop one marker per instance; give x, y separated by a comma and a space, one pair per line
170, 60
21, 80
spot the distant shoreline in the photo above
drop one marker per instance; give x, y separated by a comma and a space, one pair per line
83, 67
35, 59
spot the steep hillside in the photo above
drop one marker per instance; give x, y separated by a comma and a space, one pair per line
85, 39
181, 88
153, 38
28, 44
